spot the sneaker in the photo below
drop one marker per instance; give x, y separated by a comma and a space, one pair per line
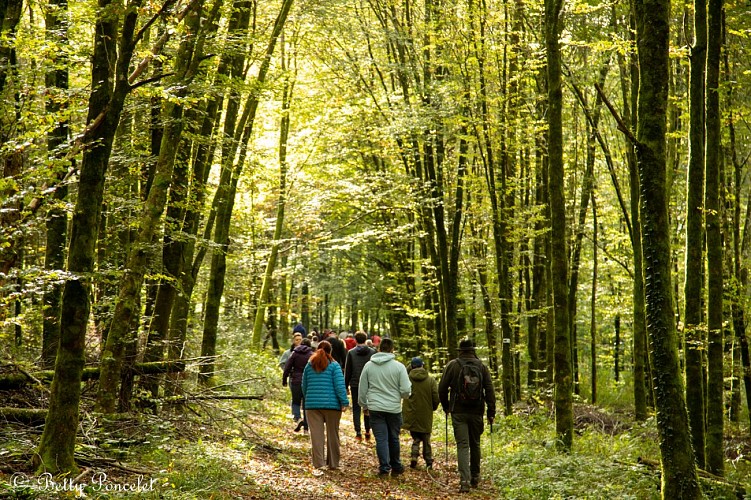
300, 425
413, 464
464, 488
383, 473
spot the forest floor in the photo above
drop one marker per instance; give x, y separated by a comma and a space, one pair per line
246, 449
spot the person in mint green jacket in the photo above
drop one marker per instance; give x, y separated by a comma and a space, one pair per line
383, 384
325, 400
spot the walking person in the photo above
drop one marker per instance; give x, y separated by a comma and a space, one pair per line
383, 384
338, 349
293, 371
325, 400
465, 388
418, 412
356, 359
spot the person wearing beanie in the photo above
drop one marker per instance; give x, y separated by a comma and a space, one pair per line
418, 412
356, 359
465, 389
383, 384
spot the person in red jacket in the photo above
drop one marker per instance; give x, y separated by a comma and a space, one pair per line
350, 341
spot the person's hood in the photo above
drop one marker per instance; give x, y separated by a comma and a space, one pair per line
362, 350
380, 358
418, 374
302, 349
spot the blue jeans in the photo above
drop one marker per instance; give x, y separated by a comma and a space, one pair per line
296, 390
386, 427
356, 410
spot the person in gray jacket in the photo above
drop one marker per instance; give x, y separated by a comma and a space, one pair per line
383, 384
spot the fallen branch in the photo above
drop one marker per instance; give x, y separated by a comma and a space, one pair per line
28, 416
707, 479
18, 380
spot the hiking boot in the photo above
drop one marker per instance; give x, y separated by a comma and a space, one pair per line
464, 488
413, 464
367, 436
396, 472
429, 465
475, 482
300, 425
358, 438
383, 473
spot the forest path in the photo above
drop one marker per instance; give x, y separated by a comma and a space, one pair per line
290, 474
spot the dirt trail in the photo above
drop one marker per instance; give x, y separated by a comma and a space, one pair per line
358, 477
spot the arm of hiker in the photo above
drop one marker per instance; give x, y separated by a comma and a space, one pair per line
489, 391
405, 385
341, 390
434, 394
443, 388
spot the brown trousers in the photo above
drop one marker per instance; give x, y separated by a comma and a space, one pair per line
324, 437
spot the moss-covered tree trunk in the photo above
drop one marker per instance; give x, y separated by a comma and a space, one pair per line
55, 453
232, 166
715, 450
263, 296
629, 84
564, 416
694, 262
679, 478
56, 80
123, 326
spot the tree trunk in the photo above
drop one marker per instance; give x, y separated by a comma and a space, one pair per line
56, 222
694, 263
713, 209
679, 478
123, 327
564, 416
263, 296
232, 167
57, 443
593, 319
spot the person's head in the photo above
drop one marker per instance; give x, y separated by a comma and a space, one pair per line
387, 345
369, 343
466, 345
315, 338
416, 363
322, 357
332, 333
296, 339
305, 341
360, 337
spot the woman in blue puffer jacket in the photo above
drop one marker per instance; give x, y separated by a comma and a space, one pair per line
325, 400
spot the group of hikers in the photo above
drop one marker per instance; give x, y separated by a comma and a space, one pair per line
322, 372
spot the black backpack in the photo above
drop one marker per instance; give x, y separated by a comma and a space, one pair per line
470, 381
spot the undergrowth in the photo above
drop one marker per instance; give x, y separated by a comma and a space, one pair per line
230, 449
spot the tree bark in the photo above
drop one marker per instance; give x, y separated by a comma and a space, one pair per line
55, 453
715, 449
679, 478
694, 262
564, 416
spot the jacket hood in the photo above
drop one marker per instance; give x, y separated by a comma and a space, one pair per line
418, 374
362, 350
380, 358
302, 349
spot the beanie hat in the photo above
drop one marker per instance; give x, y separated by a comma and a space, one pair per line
466, 345
416, 363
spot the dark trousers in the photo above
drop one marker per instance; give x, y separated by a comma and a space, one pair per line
356, 411
467, 431
386, 427
427, 449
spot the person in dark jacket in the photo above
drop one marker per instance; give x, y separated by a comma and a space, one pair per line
338, 349
325, 400
356, 359
418, 412
293, 371
466, 414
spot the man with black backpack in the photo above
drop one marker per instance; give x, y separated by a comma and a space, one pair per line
465, 388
